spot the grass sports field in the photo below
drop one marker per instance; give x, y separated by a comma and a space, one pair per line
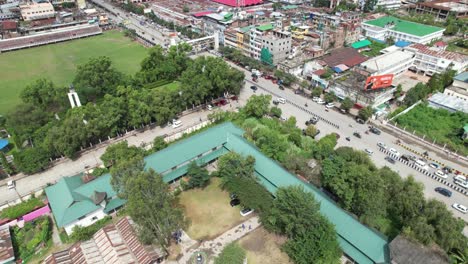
58, 62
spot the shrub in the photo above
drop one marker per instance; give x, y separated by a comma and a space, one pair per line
85, 233
21, 209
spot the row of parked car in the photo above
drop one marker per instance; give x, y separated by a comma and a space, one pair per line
235, 202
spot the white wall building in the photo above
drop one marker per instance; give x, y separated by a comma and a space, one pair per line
389, 4
395, 62
459, 87
36, 11
431, 60
86, 220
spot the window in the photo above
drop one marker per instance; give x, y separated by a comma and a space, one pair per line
94, 218
81, 218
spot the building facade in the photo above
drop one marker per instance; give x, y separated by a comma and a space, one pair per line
396, 63
441, 9
400, 30
36, 11
431, 60
459, 87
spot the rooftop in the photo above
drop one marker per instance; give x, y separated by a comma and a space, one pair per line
347, 56
448, 55
404, 26
458, 6
387, 60
236, 3
448, 101
361, 44
265, 27
462, 77
7, 255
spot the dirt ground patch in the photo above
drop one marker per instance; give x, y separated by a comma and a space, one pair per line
209, 211
264, 247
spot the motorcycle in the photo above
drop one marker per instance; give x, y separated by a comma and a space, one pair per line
348, 138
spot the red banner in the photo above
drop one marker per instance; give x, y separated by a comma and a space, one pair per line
379, 81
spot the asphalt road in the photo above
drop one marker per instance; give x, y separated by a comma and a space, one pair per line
347, 126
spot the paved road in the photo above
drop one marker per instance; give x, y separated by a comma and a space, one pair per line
368, 141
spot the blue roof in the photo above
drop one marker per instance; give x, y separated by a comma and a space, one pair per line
402, 43
462, 77
3, 143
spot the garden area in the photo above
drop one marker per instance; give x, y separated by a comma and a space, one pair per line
33, 240
209, 211
437, 124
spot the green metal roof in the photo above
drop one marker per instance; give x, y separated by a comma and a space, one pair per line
288, 7
404, 26
361, 44
465, 128
247, 28
265, 27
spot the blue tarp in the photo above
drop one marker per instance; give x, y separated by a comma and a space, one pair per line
3, 143
402, 43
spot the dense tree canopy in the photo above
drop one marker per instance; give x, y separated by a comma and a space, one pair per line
232, 254
257, 105
198, 177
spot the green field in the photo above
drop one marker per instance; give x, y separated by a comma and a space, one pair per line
58, 62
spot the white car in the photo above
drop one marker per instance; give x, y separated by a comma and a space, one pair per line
441, 174
315, 98
11, 185
460, 208
281, 100
176, 123
320, 101
394, 152
382, 145
330, 105
246, 211
369, 151
461, 180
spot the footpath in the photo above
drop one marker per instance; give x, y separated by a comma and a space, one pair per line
212, 248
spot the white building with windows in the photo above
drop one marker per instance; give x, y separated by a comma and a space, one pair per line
395, 62
35, 11
429, 60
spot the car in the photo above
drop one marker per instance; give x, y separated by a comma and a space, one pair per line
441, 174
209, 107
176, 123
11, 184
390, 159
461, 181
460, 208
320, 101
253, 87
246, 211
275, 102
447, 169
375, 130
281, 100
394, 152
382, 145
369, 151
298, 91
330, 105
233, 196
434, 165
360, 121
315, 98
312, 121
356, 134
404, 158
234, 202
283, 118
443, 191
412, 157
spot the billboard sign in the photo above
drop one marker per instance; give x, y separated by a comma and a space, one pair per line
378, 82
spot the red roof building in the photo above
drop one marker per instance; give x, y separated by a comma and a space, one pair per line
8, 25
347, 56
239, 3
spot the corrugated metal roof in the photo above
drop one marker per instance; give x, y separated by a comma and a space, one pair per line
265, 27
361, 44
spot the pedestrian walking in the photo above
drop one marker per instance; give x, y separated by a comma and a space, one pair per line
250, 227
243, 226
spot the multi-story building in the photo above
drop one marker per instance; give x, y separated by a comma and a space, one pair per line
389, 4
459, 87
441, 9
252, 39
431, 60
217, 23
7, 11
397, 29
396, 63
36, 11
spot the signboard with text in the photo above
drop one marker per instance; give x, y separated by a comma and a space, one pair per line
378, 82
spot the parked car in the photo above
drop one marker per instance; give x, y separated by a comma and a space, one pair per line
460, 208
390, 159
360, 121
356, 134
246, 211
441, 174
330, 105
382, 145
375, 130
443, 191
369, 151
11, 184
461, 181
405, 158
281, 100
275, 102
447, 169
312, 121
394, 152
253, 87
234, 202
320, 101
176, 123
434, 165
315, 98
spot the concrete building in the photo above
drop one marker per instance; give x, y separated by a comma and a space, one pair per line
36, 11
7, 254
448, 102
217, 23
389, 4
459, 87
392, 27
441, 9
396, 62
9, 10
430, 60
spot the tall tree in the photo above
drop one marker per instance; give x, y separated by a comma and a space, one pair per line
346, 104
198, 176
257, 105
31, 160
365, 113
45, 95
119, 152
153, 208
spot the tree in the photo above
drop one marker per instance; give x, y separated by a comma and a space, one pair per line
123, 170
398, 92
266, 56
365, 113
325, 146
119, 152
159, 143
369, 5
153, 208
317, 91
45, 95
346, 104
310, 131
322, 3
330, 97
96, 78
276, 112
232, 254
276, 6
198, 176
31, 160
257, 105
5, 164
186, 9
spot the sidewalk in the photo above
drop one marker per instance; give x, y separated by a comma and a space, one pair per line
214, 247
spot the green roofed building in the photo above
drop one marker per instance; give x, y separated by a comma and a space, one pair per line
362, 244
400, 30
361, 44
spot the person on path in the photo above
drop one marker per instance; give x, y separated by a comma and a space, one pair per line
250, 227
243, 226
